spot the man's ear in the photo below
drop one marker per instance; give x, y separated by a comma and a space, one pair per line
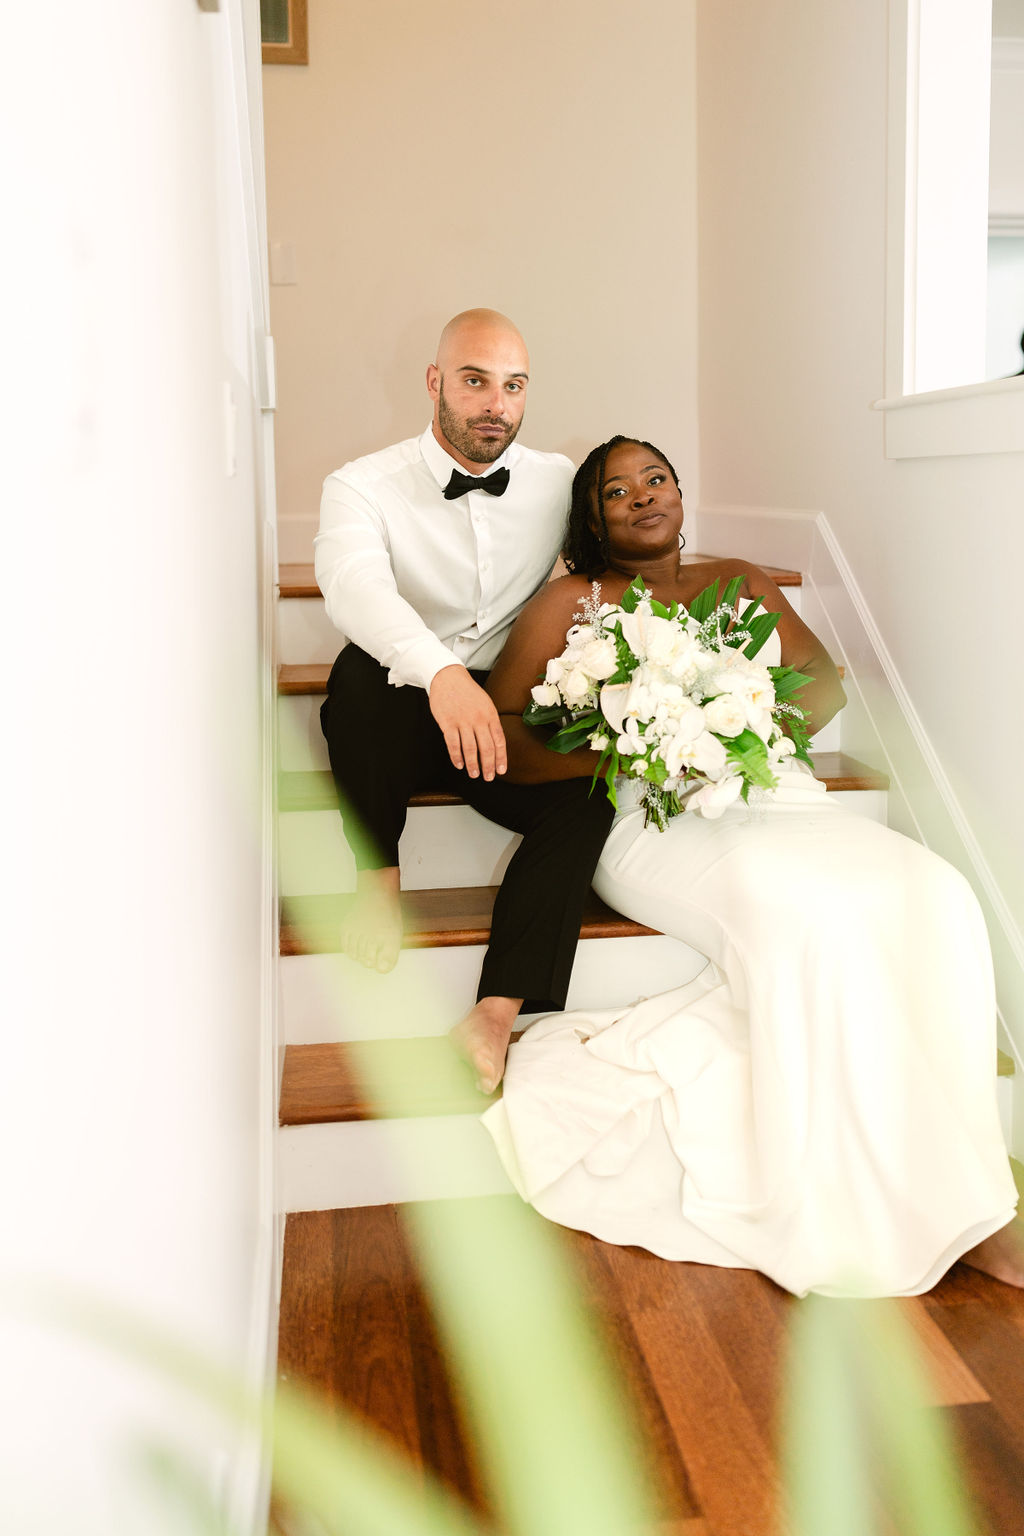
433, 380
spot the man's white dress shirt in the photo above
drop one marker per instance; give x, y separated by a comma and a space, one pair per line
420, 582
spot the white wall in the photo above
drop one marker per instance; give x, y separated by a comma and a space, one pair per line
130, 1131
792, 206
536, 158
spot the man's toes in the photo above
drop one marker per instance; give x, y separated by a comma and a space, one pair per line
386, 957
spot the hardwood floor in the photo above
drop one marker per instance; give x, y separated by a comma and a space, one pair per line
699, 1351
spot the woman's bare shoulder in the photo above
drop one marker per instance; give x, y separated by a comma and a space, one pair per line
562, 594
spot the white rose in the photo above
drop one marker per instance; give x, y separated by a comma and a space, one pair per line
713, 799
555, 670
545, 694
580, 636
599, 659
575, 686
725, 715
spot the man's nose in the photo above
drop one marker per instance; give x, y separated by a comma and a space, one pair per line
494, 402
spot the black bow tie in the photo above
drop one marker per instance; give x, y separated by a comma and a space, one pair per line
459, 484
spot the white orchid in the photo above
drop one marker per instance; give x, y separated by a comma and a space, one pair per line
713, 799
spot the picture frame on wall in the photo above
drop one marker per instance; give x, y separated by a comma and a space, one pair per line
284, 31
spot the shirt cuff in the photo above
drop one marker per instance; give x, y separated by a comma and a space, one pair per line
421, 662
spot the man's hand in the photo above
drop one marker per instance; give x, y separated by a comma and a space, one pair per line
469, 721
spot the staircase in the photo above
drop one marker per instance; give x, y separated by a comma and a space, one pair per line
374, 1107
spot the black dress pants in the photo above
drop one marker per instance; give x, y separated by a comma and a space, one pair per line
385, 745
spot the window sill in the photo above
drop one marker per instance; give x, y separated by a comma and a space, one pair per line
973, 419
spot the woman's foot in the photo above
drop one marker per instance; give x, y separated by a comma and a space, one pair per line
482, 1038
1001, 1255
371, 930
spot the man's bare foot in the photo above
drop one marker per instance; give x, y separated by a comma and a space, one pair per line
371, 931
482, 1038
1001, 1255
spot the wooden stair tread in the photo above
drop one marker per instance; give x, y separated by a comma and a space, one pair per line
390, 1079
434, 919
311, 677
376, 1079
314, 790
298, 579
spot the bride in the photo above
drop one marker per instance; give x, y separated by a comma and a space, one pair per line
819, 1104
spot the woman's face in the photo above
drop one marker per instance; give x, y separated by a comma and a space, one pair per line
641, 503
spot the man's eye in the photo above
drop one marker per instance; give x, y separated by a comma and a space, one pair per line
471, 379
514, 386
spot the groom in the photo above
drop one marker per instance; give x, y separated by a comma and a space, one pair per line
427, 551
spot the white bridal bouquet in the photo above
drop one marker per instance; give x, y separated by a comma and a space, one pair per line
674, 698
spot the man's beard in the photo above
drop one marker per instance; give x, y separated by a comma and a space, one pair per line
459, 433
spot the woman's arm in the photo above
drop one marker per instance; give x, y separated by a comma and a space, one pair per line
537, 635
824, 696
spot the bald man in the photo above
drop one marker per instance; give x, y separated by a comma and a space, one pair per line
426, 553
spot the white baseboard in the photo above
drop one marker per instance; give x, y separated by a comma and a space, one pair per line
880, 723
249, 1490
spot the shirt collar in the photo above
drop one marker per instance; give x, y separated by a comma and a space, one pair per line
440, 463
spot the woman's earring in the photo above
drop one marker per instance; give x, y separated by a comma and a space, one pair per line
682, 541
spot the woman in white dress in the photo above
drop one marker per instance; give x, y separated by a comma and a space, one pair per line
819, 1104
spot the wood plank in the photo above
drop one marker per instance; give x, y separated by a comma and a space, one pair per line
298, 579
354, 1323
434, 919
990, 1456
730, 1464
314, 790
950, 1379
342, 1300
303, 677
674, 1499
376, 1079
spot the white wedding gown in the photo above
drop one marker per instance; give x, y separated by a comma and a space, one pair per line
819, 1104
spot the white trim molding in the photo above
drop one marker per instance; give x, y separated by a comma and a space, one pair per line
941, 58
880, 724
973, 419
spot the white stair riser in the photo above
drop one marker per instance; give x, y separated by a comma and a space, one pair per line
305, 634
443, 845
328, 998
301, 745
382, 1162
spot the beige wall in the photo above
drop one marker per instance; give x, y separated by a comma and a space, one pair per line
792, 209
538, 158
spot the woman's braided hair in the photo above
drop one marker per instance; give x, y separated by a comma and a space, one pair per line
585, 552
